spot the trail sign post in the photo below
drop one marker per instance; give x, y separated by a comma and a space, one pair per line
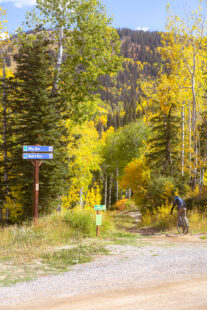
99, 208
36, 154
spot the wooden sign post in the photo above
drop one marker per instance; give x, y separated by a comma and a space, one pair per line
37, 154
99, 217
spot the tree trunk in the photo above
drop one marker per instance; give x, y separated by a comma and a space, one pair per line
106, 192
117, 184
110, 185
130, 193
190, 140
59, 60
194, 127
81, 197
126, 194
183, 140
121, 193
200, 170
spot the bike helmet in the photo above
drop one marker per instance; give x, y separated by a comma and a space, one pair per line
176, 198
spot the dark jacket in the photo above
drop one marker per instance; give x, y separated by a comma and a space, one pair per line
179, 202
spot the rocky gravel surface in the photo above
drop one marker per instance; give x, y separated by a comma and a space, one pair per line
127, 265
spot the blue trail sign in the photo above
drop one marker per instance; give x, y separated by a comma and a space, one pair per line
100, 207
37, 156
37, 148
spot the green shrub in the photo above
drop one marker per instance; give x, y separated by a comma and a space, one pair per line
161, 190
82, 222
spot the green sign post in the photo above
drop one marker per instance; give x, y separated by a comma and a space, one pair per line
99, 208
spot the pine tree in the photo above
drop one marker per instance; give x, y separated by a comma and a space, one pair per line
38, 121
6, 136
163, 155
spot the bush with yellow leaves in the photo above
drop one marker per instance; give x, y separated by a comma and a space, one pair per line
93, 196
13, 204
159, 218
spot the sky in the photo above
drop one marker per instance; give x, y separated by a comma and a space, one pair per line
135, 14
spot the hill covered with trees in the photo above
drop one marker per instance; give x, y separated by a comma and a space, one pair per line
141, 60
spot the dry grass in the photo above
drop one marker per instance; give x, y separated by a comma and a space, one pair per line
197, 222
29, 241
23, 248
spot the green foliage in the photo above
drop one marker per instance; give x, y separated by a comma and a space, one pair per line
160, 189
124, 145
89, 44
163, 150
93, 46
82, 223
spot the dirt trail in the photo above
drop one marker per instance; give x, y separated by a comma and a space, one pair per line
185, 295
176, 239
168, 273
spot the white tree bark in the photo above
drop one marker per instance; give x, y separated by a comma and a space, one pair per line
110, 185
130, 193
81, 197
183, 140
106, 185
190, 139
117, 184
194, 127
59, 60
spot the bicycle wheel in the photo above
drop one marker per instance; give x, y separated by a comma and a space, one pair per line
186, 225
180, 226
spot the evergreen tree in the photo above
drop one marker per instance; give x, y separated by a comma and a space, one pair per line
38, 121
6, 134
163, 155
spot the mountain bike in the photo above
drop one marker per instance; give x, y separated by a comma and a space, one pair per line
182, 224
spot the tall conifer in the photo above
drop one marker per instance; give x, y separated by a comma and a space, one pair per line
38, 121
163, 155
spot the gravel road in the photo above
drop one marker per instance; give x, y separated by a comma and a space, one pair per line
160, 262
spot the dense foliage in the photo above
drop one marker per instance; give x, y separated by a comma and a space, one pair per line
125, 111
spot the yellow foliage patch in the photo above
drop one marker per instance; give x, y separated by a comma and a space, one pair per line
13, 205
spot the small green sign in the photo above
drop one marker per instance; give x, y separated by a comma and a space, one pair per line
98, 219
100, 207
25, 148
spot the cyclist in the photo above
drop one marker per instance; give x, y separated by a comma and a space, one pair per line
181, 207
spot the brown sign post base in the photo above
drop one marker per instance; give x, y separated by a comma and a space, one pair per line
36, 164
